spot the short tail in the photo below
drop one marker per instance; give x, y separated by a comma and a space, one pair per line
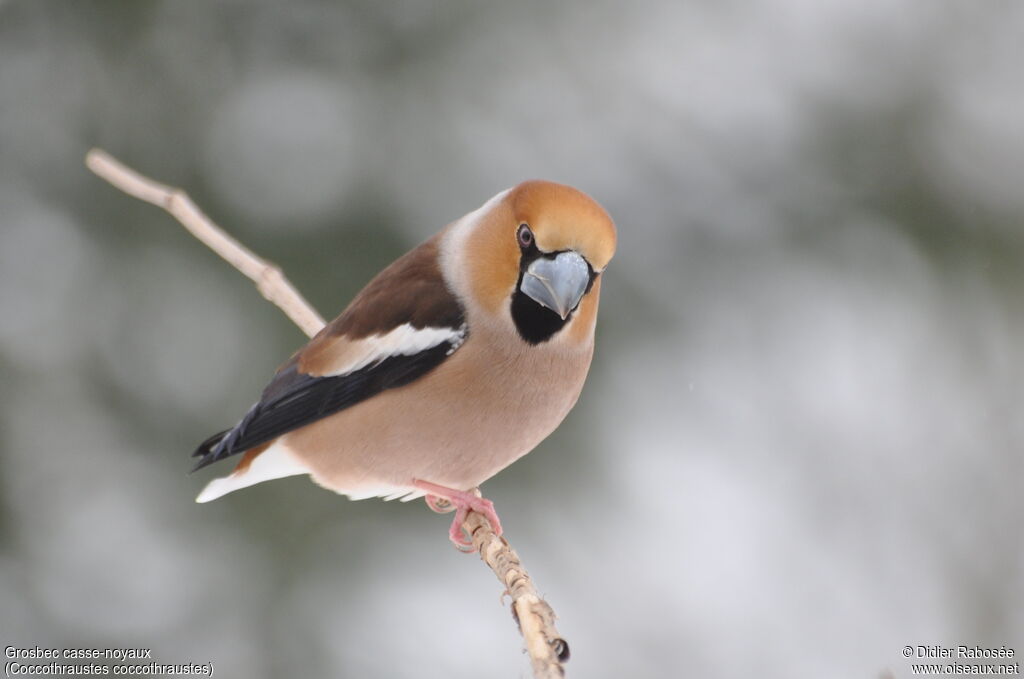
210, 450
275, 462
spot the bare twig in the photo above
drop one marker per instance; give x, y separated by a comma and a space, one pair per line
268, 277
535, 617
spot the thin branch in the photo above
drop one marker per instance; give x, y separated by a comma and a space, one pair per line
536, 619
268, 277
535, 616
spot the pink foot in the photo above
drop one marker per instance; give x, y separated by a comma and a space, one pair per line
462, 502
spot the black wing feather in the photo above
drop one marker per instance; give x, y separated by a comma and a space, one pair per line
295, 399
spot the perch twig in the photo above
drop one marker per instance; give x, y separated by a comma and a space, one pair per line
268, 277
536, 619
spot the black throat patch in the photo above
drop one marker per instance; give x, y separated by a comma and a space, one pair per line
534, 322
537, 323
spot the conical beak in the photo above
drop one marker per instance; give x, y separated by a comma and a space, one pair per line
557, 283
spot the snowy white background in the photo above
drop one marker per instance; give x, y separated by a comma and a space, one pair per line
800, 446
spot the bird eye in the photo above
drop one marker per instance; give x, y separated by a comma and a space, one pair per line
524, 236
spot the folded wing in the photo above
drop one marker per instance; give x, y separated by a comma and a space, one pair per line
402, 325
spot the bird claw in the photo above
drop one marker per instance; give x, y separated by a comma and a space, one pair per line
459, 536
441, 499
439, 504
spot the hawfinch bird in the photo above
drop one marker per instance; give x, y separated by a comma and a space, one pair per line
453, 362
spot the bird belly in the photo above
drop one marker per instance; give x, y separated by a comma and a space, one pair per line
445, 428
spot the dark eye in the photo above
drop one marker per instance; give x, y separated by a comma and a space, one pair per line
524, 236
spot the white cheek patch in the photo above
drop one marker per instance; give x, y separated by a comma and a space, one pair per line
453, 244
405, 340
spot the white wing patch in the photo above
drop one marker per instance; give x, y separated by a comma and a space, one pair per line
405, 340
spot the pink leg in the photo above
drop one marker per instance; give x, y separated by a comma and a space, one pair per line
463, 502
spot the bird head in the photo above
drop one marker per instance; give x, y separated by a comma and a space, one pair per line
534, 254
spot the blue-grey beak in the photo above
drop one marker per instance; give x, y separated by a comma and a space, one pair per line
557, 283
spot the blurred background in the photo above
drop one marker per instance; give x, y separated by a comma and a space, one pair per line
799, 449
